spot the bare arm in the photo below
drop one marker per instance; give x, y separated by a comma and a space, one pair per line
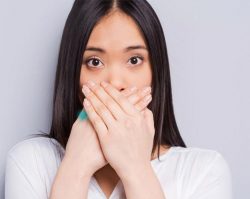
69, 183
142, 183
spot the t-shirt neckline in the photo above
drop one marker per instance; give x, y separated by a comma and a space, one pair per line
119, 185
163, 156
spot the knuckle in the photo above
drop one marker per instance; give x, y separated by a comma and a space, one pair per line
96, 89
100, 108
142, 104
109, 102
91, 95
121, 99
141, 108
138, 107
137, 96
97, 122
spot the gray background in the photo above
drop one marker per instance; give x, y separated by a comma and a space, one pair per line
209, 51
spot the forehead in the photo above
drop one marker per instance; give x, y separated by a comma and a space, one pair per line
116, 29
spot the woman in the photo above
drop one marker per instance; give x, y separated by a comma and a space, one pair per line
111, 51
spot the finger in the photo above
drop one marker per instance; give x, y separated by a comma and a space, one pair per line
143, 103
103, 100
136, 97
95, 119
98, 106
120, 99
129, 91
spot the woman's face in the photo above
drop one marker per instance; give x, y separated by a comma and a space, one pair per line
116, 53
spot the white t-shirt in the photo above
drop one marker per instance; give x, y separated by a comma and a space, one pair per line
184, 173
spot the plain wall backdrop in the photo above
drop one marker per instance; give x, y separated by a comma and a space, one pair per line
209, 51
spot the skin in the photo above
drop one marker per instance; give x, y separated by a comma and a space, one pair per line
123, 125
121, 69
115, 66
114, 33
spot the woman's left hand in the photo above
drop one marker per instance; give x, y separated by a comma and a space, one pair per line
125, 134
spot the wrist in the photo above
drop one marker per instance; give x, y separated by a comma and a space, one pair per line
137, 171
69, 183
78, 172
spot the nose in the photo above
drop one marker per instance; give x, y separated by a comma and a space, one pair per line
116, 77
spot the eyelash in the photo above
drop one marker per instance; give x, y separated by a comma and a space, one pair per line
86, 62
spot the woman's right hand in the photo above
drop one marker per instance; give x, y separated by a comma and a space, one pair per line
83, 150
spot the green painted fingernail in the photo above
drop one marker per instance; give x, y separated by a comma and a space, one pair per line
82, 115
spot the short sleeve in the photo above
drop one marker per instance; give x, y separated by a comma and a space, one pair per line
17, 183
23, 178
216, 183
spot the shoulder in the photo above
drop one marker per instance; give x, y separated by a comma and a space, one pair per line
201, 168
195, 154
31, 166
30, 145
36, 151
201, 158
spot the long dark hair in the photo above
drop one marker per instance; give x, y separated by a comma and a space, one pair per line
79, 25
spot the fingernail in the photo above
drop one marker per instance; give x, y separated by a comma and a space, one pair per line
85, 89
91, 83
86, 102
146, 90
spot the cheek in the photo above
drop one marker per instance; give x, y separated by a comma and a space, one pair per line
146, 76
141, 78
82, 76
87, 75
149, 76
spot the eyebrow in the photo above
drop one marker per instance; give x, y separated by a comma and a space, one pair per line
129, 48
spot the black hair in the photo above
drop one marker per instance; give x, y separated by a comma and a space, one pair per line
81, 20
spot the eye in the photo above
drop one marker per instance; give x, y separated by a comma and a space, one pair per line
93, 62
134, 60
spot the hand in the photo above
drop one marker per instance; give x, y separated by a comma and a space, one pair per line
83, 143
125, 134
